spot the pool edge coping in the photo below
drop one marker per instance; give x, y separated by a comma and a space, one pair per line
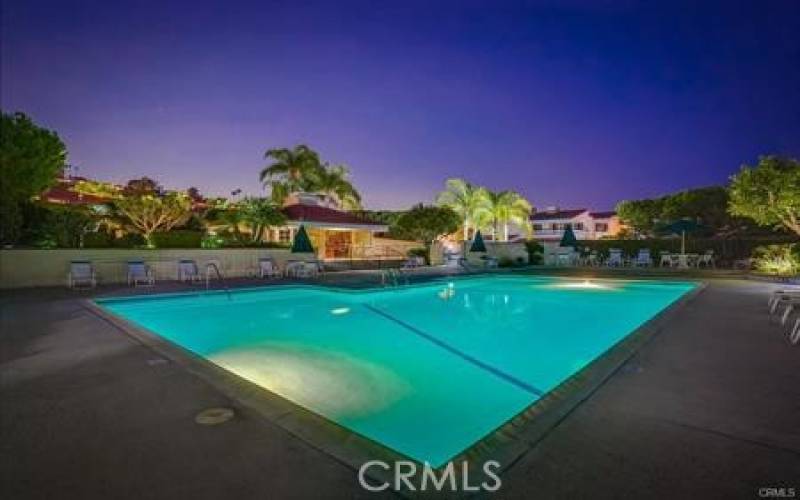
506, 444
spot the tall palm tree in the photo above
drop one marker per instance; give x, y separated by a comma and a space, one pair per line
333, 181
467, 200
291, 170
505, 207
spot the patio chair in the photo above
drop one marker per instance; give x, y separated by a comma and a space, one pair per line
490, 262
591, 260
411, 263
615, 258
140, 273
643, 259
302, 269
707, 260
188, 271
665, 260
564, 259
268, 269
81, 275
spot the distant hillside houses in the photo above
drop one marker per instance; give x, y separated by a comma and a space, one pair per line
550, 224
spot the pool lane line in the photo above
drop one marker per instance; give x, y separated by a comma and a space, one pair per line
466, 357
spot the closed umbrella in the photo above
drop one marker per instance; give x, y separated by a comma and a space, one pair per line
568, 239
301, 243
477, 244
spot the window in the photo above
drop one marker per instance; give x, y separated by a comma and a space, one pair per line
578, 226
284, 235
601, 227
537, 227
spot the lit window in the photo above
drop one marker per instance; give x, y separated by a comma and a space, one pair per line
601, 227
284, 235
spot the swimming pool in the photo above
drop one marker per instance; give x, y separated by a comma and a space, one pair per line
425, 370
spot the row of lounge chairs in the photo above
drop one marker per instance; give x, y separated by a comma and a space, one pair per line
642, 259
785, 304
82, 273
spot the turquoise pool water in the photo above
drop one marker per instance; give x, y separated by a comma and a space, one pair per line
425, 370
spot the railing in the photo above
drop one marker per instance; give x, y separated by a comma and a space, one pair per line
213, 265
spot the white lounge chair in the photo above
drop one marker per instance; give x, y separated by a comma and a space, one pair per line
81, 274
140, 273
665, 260
615, 258
413, 262
188, 271
268, 269
707, 260
565, 258
643, 259
301, 269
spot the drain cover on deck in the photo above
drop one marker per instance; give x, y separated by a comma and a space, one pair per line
214, 416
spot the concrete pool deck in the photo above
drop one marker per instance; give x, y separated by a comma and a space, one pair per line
709, 407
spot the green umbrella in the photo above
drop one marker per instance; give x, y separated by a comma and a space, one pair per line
682, 227
477, 244
569, 239
301, 243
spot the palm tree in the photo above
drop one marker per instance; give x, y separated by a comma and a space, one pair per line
467, 200
291, 170
333, 181
504, 207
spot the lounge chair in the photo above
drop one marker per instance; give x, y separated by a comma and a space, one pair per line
665, 260
643, 259
81, 275
564, 258
615, 258
490, 262
707, 260
140, 273
268, 269
188, 271
413, 262
302, 269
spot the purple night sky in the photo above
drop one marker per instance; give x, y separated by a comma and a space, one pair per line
571, 103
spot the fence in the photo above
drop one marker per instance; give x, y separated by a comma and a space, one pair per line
29, 268
726, 250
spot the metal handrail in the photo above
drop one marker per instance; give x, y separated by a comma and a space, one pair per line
213, 265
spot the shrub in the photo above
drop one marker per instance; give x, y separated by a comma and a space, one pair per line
98, 240
783, 260
535, 251
130, 240
177, 239
505, 262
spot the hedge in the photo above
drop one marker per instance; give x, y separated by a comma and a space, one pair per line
177, 239
106, 240
725, 250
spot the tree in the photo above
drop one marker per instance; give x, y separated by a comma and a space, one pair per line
259, 214
291, 170
143, 186
768, 193
466, 200
427, 223
333, 181
707, 205
504, 207
31, 158
149, 213
641, 215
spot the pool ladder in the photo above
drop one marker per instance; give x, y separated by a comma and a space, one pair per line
391, 277
209, 267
